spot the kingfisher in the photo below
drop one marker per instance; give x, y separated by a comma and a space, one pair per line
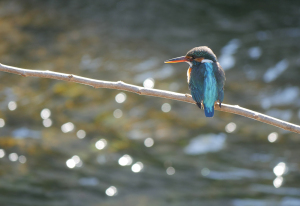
205, 77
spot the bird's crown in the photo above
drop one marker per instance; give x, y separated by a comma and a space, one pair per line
202, 52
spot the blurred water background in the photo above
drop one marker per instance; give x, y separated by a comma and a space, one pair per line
68, 144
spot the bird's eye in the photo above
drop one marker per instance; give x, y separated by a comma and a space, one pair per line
190, 58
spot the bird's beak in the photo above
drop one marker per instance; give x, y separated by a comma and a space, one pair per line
177, 60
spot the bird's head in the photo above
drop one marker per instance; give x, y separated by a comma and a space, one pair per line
196, 56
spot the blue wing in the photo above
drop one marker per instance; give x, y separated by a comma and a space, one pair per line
196, 80
220, 77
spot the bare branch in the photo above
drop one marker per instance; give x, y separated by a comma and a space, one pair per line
235, 109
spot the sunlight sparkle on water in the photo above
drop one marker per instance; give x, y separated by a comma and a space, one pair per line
12, 105
166, 107
125, 160
230, 127
2, 153
2, 122
118, 113
137, 167
22, 159
272, 137
77, 161
280, 169
121, 97
277, 182
149, 83
170, 171
70, 163
67, 127
111, 191
101, 144
47, 122
45, 113
13, 157
81, 134
149, 142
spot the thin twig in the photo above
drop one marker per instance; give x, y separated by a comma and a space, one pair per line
235, 109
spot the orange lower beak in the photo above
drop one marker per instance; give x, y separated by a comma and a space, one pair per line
177, 60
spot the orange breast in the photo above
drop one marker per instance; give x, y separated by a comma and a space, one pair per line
189, 71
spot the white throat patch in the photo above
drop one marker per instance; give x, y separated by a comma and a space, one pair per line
206, 61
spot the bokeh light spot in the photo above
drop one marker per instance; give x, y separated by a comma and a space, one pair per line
22, 159
149, 142
277, 182
47, 122
125, 160
45, 113
118, 113
230, 127
70, 163
272, 137
13, 157
12, 105
166, 107
149, 83
170, 171
81, 134
121, 97
101, 144
2, 153
137, 167
67, 127
280, 169
2, 122
111, 191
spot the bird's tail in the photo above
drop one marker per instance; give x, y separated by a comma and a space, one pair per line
209, 110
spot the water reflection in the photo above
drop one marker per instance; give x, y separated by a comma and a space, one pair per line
274, 72
205, 143
226, 59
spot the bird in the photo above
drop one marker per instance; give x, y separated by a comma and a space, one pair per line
205, 77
